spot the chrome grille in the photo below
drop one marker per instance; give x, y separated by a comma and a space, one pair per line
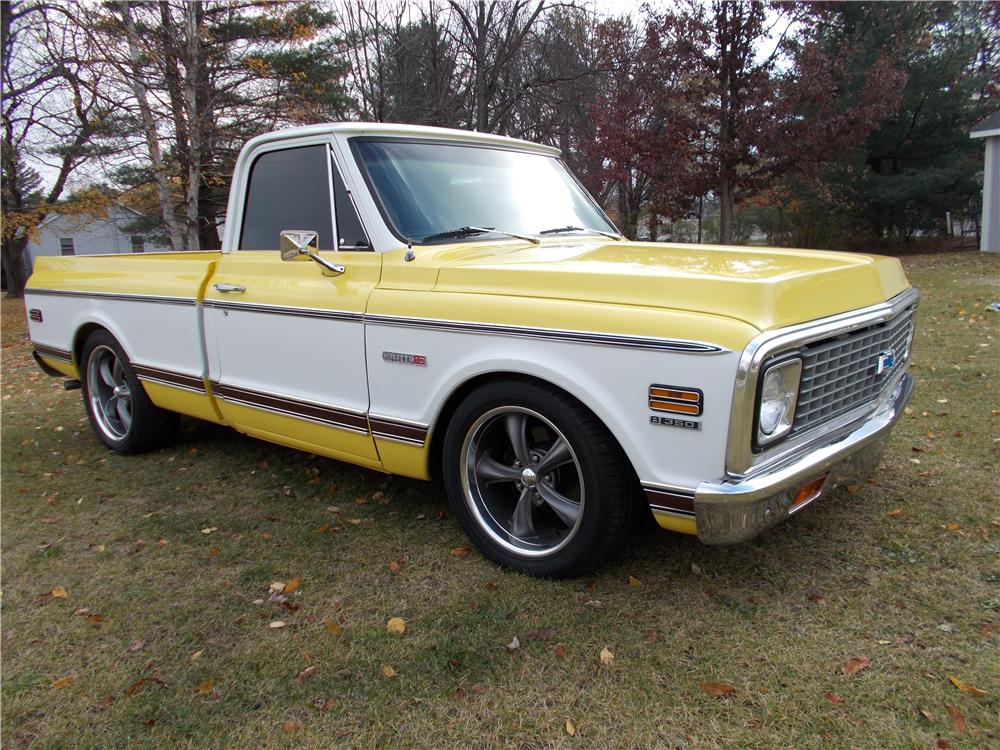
840, 374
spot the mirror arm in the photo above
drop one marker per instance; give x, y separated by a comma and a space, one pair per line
334, 268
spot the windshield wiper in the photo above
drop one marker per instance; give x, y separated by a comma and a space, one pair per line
453, 234
572, 228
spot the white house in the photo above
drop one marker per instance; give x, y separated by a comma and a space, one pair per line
82, 234
989, 130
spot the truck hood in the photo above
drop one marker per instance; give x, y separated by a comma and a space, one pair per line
765, 287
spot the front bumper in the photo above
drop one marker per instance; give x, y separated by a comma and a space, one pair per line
730, 512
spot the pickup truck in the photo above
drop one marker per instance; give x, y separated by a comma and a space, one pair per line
430, 302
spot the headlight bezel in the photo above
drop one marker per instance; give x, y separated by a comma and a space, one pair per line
790, 367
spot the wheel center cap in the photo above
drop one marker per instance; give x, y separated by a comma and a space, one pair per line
529, 478
116, 391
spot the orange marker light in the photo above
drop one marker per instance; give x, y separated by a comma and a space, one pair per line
808, 491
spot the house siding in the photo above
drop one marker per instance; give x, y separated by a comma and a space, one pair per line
90, 236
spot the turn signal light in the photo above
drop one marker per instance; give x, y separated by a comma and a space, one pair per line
808, 491
677, 400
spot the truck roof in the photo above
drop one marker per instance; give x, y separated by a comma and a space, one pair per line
395, 129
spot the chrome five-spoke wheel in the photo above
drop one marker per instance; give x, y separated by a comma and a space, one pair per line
523, 481
535, 479
119, 410
110, 393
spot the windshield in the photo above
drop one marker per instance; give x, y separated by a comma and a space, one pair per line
427, 189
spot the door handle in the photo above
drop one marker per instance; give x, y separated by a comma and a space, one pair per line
235, 288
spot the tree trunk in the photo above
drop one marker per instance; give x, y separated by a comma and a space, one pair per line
13, 266
726, 210
152, 137
195, 121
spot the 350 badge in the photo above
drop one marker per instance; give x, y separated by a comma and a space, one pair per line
689, 424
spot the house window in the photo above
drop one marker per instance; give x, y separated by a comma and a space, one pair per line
66, 246
138, 243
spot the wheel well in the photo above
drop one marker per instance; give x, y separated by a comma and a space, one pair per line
451, 405
81, 338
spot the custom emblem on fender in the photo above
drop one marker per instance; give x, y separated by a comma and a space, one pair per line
405, 359
885, 362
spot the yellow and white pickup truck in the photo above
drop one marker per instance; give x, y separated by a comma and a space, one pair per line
423, 301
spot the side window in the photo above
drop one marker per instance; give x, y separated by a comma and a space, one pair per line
288, 189
66, 246
138, 243
352, 234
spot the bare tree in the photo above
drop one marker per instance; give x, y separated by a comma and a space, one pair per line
51, 114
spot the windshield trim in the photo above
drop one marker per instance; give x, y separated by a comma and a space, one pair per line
377, 199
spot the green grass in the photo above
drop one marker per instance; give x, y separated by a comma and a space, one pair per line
775, 618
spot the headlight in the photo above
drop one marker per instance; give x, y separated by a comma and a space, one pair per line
778, 393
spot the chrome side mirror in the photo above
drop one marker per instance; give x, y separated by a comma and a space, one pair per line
299, 244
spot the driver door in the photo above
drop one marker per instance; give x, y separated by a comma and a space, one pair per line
285, 338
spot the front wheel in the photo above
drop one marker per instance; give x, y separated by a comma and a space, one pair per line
119, 410
536, 480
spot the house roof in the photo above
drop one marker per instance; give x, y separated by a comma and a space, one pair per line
987, 127
56, 214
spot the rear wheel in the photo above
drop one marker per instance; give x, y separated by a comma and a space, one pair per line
536, 480
119, 410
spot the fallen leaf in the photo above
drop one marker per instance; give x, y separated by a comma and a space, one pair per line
717, 689
290, 726
135, 686
324, 704
301, 676
277, 624
652, 636
966, 688
95, 618
215, 551
490, 585
136, 645
559, 651
894, 513
815, 596
63, 682
84, 612
607, 657
927, 715
396, 626
943, 744
542, 634
695, 569
634, 582
265, 535
388, 672
833, 698
460, 551
852, 666
853, 488
333, 628
291, 586
514, 645
957, 719
394, 567
209, 530
59, 592
570, 729
197, 655
953, 527
591, 586
277, 587
206, 687
324, 528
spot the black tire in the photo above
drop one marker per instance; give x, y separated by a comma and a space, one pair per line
128, 422
559, 522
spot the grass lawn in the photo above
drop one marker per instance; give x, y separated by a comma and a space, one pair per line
164, 637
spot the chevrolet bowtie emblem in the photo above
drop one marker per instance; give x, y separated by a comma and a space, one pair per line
885, 362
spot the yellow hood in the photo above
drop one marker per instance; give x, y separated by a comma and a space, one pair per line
765, 287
